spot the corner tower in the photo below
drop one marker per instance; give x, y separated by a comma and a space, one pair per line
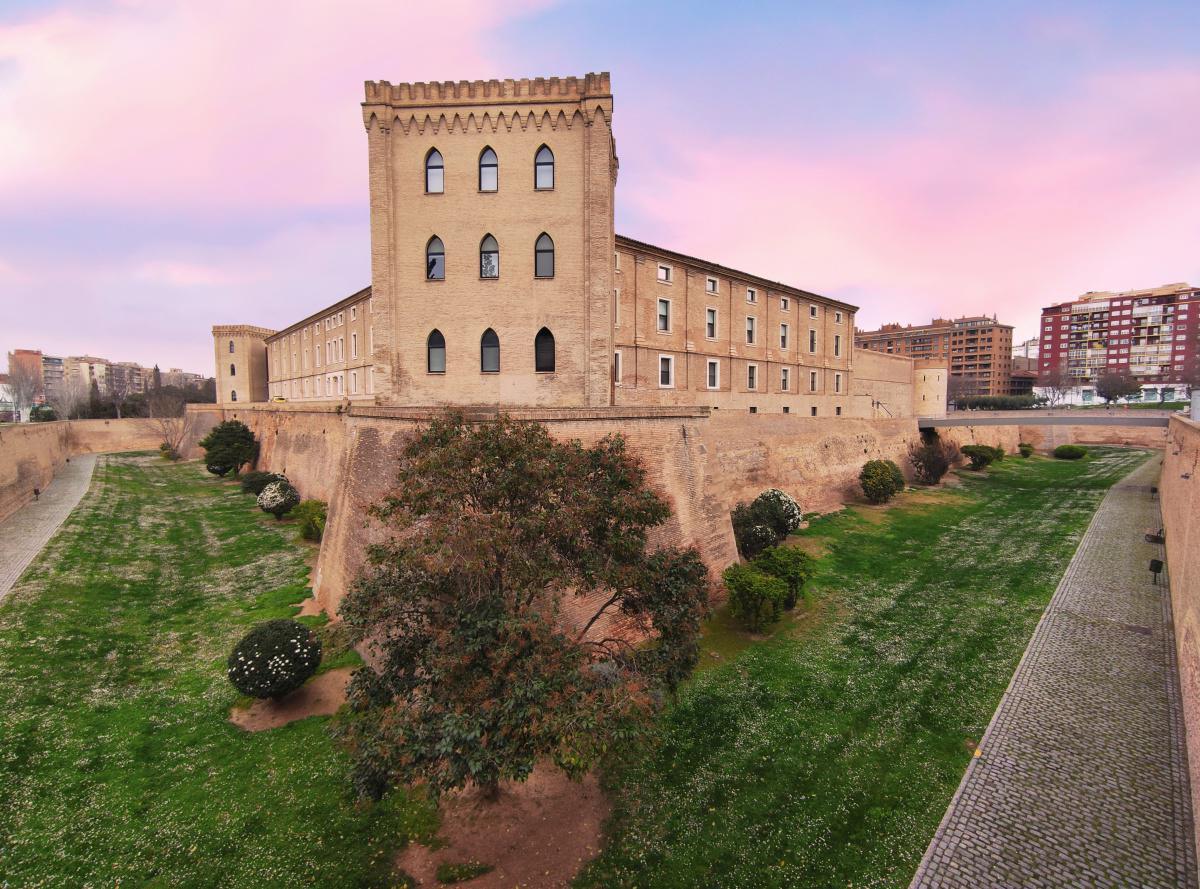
471, 305
241, 353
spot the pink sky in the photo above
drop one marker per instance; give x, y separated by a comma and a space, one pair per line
167, 165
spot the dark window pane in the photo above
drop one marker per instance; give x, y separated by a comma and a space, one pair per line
489, 349
543, 351
544, 257
437, 353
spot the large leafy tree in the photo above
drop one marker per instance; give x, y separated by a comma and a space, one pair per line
490, 611
228, 447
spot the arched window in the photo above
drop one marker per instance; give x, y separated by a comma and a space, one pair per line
489, 258
436, 349
543, 351
233, 370
233, 395
435, 259
435, 173
489, 352
489, 170
543, 168
543, 257
231, 347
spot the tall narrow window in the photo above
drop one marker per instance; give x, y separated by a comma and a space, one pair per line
233, 370
543, 168
233, 395
750, 325
435, 173
617, 367
812, 340
714, 374
837, 383
710, 323
783, 336
435, 348
666, 371
435, 259
489, 258
489, 170
231, 347
837, 345
543, 351
489, 352
664, 315
354, 345
751, 376
785, 378
543, 257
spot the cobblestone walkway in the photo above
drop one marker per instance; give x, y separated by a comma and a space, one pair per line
26, 531
1082, 775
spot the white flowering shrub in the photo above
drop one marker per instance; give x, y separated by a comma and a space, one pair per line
278, 498
274, 658
779, 510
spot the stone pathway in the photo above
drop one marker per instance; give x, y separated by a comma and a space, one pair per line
1082, 776
26, 531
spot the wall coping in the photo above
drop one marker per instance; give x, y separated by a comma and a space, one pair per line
478, 412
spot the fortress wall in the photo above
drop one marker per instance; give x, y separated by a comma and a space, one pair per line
1007, 437
886, 379
1179, 488
1047, 438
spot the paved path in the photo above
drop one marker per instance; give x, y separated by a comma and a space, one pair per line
1082, 778
26, 531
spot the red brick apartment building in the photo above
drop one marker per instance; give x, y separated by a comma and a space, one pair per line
977, 349
1150, 334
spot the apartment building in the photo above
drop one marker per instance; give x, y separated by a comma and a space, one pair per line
978, 350
1151, 335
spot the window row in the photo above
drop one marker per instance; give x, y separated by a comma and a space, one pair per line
489, 352
489, 258
710, 329
489, 170
666, 275
712, 375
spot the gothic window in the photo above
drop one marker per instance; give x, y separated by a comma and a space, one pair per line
543, 168
436, 349
231, 347
435, 173
489, 258
233, 395
489, 352
233, 370
489, 170
435, 259
543, 351
543, 256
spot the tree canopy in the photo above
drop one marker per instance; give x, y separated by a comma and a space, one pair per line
489, 609
1112, 386
228, 447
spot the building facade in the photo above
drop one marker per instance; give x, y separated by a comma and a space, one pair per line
978, 350
1151, 335
497, 279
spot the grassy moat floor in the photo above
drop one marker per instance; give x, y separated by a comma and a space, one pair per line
118, 766
823, 755
826, 755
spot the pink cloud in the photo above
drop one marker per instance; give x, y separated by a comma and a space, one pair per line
154, 101
970, 208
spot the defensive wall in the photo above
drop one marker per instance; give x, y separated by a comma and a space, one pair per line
31, 453
1179, 490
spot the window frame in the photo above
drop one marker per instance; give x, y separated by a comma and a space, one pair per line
670, 359
785, 379
659, 315
751, 330
441, 166
484, 346
429, 253
482, 253
784, 331
712, 311
712, 381
538, 250
537, 164
495, 165
669, 278
553, 351
752, 295
429, 350
751, 376
711, 284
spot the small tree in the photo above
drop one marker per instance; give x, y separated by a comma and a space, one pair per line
765, 521
1114, 385
1056, 383
756, 599
879, 482
278, 498
791, 565
228, 447
174, 424
24, 383
932, 458
479, 671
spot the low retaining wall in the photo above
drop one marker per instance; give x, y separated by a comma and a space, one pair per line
1179, 489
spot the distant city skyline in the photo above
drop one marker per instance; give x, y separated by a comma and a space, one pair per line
917, 160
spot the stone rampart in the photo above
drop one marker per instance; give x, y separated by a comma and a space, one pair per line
1179, 488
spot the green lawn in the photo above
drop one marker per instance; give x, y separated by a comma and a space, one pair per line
117, 764
827, 756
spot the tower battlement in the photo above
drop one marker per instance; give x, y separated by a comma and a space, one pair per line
488, 92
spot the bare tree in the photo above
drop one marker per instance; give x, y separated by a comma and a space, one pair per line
1056, 384
120, 386
24, 381
958, 387
69, 398
168, 413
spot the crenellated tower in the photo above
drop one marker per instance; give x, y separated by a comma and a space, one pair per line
457, 169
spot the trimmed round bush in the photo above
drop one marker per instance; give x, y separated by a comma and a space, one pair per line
755, 598
274, 658
878, 481
1026, 449
278, 498
897, 475
779, 511
1070, 452
254, 482
980, 456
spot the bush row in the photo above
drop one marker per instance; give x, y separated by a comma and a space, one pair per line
759, 592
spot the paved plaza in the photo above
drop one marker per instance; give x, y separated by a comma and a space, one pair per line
1082, 775
27, 530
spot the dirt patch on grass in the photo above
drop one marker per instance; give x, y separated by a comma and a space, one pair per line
536, 835
320, 696
309, 607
